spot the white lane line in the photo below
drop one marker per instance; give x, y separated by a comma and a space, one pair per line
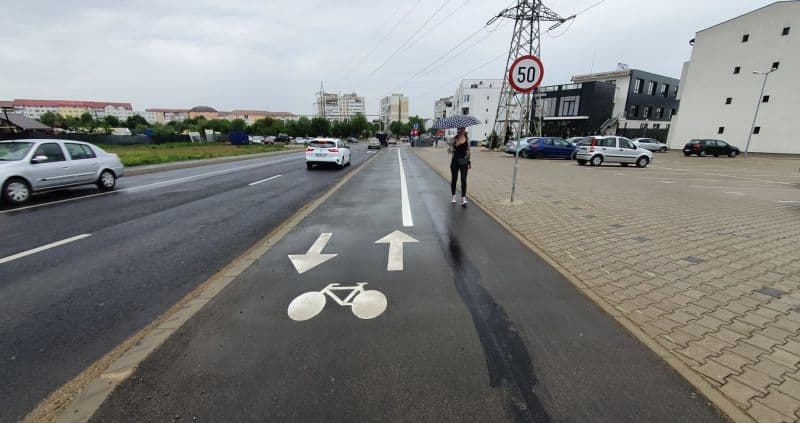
407, 219
43, 248
789, 202
264, 180
168, 182
734, 193
757, 188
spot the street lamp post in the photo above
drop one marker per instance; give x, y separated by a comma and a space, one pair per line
758, 106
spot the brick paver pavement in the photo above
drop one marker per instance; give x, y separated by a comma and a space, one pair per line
701, 255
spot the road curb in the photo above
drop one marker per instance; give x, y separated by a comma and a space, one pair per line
145, 169
78, 400
727, 407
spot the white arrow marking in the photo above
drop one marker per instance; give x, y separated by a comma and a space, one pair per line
395, 240
314, 256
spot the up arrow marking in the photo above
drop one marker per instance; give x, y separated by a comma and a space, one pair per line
395, 240
314, 256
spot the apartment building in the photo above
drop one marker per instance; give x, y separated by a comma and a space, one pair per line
98, 109
479, 98
338, 107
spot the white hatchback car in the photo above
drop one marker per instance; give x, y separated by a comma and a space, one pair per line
612, 149
327, 150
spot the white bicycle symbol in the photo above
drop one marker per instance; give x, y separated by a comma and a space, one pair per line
364, 304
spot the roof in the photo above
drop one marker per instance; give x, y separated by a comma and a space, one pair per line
251, 112
23, 122
601, 75
22, 102
7, 104
167, 110
752, 11
202, 109
281, 114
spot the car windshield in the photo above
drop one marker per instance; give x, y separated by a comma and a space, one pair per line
12, 151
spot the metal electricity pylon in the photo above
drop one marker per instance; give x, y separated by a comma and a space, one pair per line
515, 110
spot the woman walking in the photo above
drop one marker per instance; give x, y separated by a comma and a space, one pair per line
460, 163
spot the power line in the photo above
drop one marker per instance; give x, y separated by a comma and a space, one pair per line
353, 64
490, 61
590, 7
414, 34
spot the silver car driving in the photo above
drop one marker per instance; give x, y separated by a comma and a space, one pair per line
34, 165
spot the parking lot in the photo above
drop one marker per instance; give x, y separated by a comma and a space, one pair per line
698, 257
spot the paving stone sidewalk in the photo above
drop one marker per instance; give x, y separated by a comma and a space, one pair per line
712, 275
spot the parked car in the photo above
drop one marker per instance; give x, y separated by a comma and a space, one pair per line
269, 140
373, 143
710, 148
352, 140
548, 147
29, 166
613, 149
511, 146
283, 138
392, 140
327, 151
299, 140
650, 144
256, 139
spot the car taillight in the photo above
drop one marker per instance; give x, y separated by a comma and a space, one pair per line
333, 150
309, 149
696, 145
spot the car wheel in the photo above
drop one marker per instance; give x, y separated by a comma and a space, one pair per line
663, 149
107, 180
687, 154
16, 191
523, 154
703, 153
537, 155
733, 153
597, 160
309, 166
642, 162
623, 164
581, 162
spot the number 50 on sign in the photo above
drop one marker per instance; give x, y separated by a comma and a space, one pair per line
526, 74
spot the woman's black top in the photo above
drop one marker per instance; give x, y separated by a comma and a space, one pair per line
460, 151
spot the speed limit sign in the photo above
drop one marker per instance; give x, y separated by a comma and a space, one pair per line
526, 74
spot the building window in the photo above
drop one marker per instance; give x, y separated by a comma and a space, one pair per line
674, 112
487, 97
651, 88
729, 100
466, 98
765, 99
737, 70
656, 125
646, 112
637, 86
786, 30
549, 107
474, 86
634, 110
745, 38
660, 112
664, 90
757, 130
721, 130
569, 106
775, 65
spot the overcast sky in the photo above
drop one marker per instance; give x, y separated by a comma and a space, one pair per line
272, 55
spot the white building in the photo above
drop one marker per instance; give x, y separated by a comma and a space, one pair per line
337, 107
394, 108
719, 91
478, 98
443, 108
156, 115
98, 109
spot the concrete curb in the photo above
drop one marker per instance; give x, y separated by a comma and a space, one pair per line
726, 406
145, 169
77, 400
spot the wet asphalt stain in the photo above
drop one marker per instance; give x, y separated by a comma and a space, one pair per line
507, 357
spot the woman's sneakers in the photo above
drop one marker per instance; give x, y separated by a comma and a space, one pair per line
463, 201
453, 200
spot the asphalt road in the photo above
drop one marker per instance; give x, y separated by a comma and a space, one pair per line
150, 242
476, 328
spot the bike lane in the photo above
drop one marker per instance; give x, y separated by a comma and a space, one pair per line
475, 327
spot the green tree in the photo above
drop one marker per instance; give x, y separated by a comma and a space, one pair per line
303, 127
48, 118
238, 125
399, 128
87, 122
359, 125
320, 127
419, 121
133, 121
112, 121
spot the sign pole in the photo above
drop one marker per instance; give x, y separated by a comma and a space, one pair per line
524, 75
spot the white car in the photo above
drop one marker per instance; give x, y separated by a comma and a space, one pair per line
650, 144
327, 151
35, 165
612, 149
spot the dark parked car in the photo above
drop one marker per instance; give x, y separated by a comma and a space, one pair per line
283, 138
714, 148
539, 148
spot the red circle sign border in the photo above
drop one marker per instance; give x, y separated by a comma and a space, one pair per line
511, 73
